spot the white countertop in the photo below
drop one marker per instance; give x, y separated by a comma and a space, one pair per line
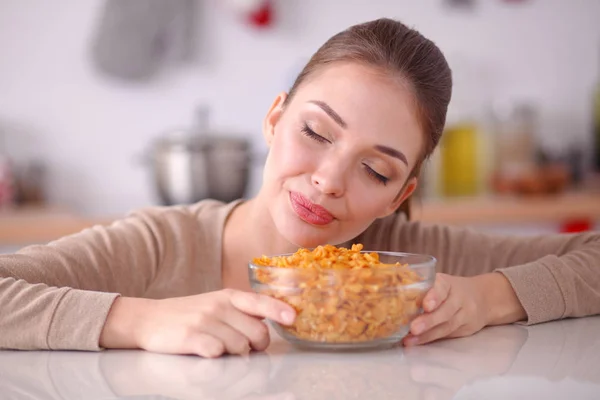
557, 360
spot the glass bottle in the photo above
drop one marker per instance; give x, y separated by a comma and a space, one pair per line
596, 127
515, 131
6, 177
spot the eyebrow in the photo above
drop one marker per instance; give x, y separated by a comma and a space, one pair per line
392, 153
336, 117
329, 111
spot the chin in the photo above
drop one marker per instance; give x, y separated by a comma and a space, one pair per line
309, 241
301, 234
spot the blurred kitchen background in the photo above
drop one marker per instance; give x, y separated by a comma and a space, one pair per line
111, 105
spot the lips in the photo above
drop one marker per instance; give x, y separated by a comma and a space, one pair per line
308, 211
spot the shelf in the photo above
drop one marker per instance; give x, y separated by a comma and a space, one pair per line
510, 210
41, 224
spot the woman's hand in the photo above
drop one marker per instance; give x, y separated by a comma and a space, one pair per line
458, 306
209, 324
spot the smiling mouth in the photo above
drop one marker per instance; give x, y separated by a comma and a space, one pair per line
308, 211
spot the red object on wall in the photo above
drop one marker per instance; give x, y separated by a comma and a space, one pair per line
263, 15
258, 13
576, 225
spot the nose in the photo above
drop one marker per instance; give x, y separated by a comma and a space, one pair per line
329, 178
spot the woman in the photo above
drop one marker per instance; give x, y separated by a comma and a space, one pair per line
346, 146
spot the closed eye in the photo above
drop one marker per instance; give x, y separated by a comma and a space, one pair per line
375, 175
307, 131
313, 135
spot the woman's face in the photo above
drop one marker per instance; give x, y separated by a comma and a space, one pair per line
340, 154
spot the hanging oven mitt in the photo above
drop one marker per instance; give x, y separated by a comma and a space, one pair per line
135, 38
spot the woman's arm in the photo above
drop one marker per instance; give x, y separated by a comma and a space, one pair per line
57, 296
553, 276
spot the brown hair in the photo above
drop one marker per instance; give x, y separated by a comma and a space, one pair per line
397, 50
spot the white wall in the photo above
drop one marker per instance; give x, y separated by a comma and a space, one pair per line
53, 104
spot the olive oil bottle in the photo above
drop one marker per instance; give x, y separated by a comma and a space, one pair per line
460, 159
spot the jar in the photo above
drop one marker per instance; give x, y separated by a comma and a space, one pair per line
514, 126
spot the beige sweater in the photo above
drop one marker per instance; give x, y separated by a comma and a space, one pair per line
57, 296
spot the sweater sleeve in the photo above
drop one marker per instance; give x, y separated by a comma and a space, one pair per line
554, 276
57, 296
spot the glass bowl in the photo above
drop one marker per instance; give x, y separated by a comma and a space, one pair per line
358, 308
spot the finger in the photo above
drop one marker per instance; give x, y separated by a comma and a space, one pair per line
444, 313
255, 330
205, 345
437, 294
235, 342
444, 330
431, 335
263, 306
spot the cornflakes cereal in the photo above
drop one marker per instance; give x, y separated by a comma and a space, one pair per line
341, 295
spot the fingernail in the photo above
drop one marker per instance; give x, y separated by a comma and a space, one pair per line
412, 341
287, 317
418, 328
430, 305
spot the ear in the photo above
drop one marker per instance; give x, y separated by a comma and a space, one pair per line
405, 193
273, 117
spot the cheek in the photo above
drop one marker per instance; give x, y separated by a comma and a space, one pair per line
289, 156
368, 204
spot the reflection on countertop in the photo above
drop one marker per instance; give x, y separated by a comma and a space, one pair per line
557, 360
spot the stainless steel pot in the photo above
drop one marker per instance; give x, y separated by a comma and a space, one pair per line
189, 168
